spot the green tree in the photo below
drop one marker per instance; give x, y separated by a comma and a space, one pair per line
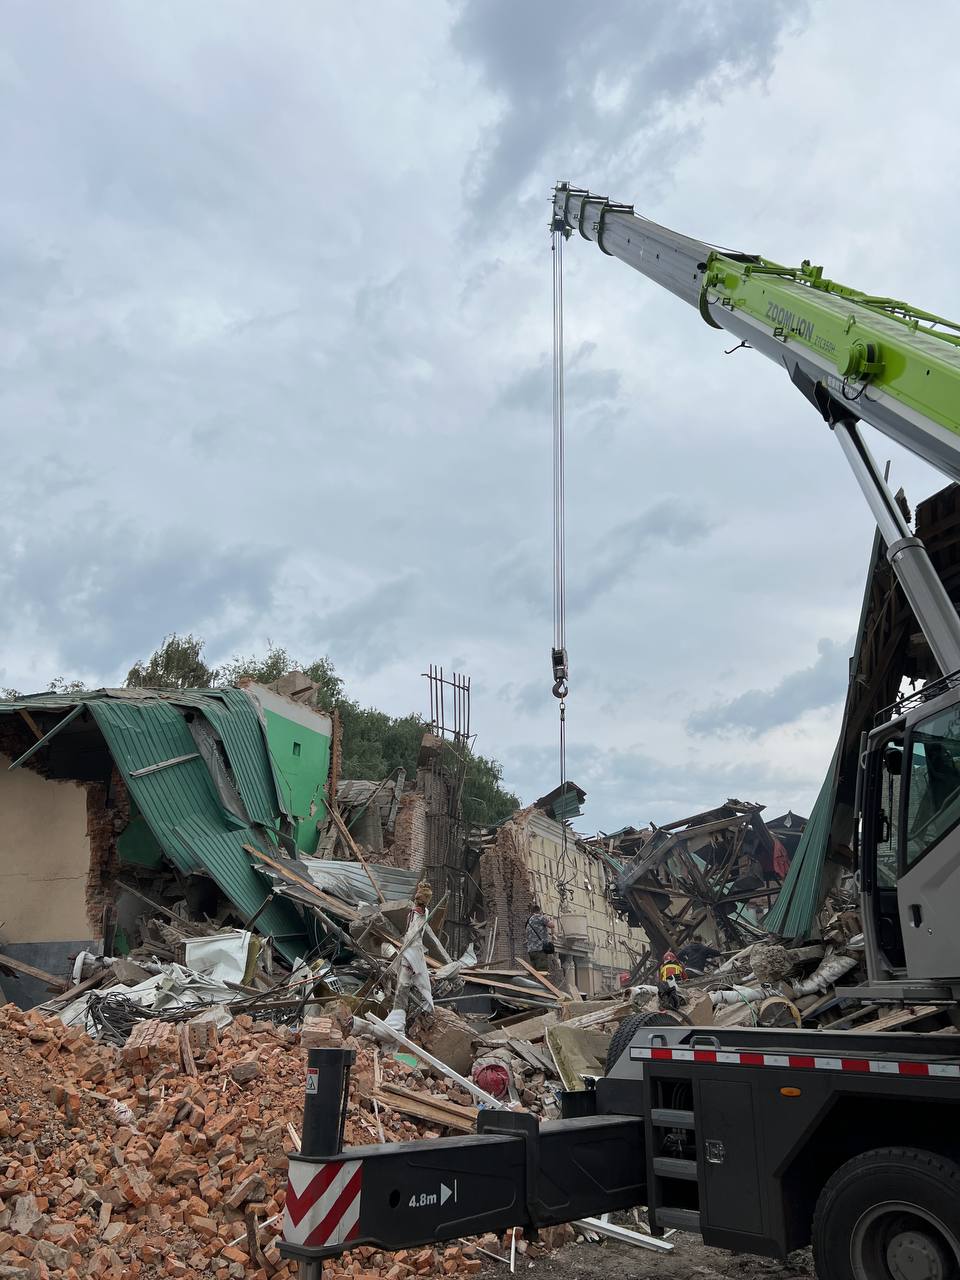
484, 799
276, 662
177, 664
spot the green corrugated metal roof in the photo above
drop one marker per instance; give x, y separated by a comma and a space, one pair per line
183, 811
793, 913
235, 718
230, 711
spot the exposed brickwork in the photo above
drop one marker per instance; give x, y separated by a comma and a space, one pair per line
104, 824
184, 1176
153, 1044
410, 832
507, 893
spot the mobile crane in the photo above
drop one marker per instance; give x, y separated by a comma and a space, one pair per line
761, 1140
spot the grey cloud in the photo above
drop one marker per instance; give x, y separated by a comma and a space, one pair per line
570, 80
609, 559
526, 699
104, 592
616, 556
585, 387
757, 710
367, 633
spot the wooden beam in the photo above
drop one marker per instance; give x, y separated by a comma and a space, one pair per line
31, 971
98, 979
448, 1114
899, 1018
531, 992
31, 723
354, 848
440, 1067
542, 979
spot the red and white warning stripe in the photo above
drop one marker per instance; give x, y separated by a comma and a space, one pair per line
322, 1207
802, 1062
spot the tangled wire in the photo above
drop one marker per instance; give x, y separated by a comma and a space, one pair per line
113, 1016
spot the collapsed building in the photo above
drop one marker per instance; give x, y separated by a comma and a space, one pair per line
533, 856
711, 877
118, 802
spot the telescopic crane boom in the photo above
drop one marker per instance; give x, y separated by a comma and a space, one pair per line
853, 355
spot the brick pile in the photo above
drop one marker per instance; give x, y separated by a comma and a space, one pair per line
121, 1165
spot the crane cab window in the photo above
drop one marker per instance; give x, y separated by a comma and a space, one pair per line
888, 814
933, 806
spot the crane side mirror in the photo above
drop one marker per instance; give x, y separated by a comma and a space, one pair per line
893, 759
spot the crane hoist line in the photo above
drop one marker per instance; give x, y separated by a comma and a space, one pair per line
558, 654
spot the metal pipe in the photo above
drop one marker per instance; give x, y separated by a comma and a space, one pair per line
926, 594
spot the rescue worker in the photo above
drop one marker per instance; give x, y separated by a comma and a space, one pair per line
670, 967
539, 938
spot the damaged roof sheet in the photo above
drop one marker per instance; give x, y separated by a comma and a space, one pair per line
348, 880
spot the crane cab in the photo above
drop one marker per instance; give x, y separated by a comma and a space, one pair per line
909, 855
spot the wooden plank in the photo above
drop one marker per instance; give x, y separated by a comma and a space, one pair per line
423, 1109
530, 992
440, 1067
31, 971
617, 1011
544, 981
523, 1027
31, 724
899, 1018
99, 979
186, 1051
353, 847
443, 1104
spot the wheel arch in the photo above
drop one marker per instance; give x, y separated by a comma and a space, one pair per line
850, 1128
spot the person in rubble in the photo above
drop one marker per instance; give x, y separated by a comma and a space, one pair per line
539, 938
697, 955
670, 967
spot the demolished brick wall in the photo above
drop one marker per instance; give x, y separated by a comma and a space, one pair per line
410, 832
108, 812
505, 883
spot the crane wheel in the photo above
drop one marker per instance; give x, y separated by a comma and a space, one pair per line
890, 1214
629, 1027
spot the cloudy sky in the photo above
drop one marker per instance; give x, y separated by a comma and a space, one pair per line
275, 328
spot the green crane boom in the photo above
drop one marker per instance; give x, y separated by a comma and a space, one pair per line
855, 356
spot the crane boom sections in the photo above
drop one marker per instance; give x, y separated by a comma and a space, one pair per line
897, 367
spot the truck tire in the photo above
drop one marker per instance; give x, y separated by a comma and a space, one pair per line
889, 1214
629, 1027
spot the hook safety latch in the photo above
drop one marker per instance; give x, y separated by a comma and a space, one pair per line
561, 676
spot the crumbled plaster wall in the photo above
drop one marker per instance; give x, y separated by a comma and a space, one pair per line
44, 858
612, 943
